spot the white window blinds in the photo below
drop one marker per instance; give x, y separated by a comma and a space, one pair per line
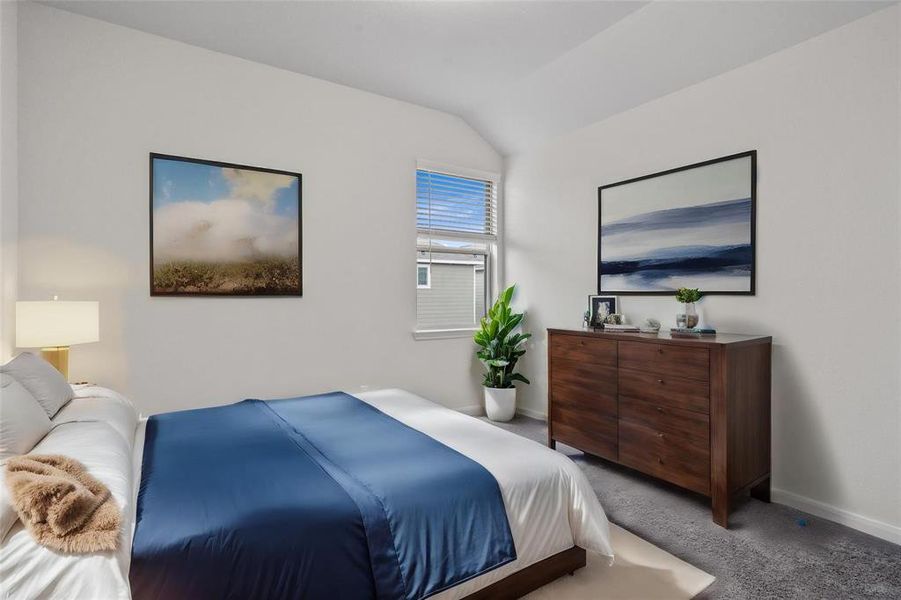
447, 205
456, 223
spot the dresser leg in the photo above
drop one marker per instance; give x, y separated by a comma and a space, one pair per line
720, 505
551, 443
761, 491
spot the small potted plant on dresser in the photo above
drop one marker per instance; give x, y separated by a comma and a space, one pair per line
687, 297
500, 347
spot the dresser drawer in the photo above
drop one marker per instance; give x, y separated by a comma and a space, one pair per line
646, 450
583, 349
595, 379
665, 390
665, 359
595, 399
582, 429
685, 426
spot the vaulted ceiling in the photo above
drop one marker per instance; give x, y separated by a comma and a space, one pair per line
518, 72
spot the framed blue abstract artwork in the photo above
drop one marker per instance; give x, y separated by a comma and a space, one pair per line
687, 227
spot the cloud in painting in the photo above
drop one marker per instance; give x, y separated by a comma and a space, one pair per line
229, 230
256, 186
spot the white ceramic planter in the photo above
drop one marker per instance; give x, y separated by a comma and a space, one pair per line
500, 403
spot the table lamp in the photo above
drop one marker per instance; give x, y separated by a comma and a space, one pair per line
55, 325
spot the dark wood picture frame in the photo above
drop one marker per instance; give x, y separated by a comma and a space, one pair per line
592, 316
752, 291
298, 292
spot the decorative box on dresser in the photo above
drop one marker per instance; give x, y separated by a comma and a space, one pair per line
692, 411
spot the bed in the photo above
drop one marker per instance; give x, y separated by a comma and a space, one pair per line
552, 513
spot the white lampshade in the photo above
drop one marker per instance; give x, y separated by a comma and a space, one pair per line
56, 323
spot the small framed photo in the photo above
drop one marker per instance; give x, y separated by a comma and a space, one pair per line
598, 309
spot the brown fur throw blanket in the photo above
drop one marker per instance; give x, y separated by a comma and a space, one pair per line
62, 506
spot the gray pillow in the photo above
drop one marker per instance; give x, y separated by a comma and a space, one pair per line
42, 380
23, 422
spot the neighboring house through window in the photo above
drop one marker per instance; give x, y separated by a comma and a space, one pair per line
423, 276
456, 224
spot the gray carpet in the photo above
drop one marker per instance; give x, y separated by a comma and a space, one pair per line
765, 553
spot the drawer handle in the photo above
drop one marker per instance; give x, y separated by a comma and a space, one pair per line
660, 460
659, 350
660, 435
659, 409
661, 382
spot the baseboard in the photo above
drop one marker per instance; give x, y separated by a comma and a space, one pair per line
475, 410
886, 531
534, 414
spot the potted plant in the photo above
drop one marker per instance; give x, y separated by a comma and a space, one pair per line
688, 297
500, 347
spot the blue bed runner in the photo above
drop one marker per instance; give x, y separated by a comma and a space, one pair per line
316, 497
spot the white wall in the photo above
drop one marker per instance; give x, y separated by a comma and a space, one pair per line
96, 98
824, 117
8, 176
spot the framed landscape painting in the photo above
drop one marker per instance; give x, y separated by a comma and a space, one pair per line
220, 229
688, 227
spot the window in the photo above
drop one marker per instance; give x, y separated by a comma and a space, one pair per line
423, 276
456, 224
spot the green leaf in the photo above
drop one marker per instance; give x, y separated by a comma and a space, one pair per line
510, 324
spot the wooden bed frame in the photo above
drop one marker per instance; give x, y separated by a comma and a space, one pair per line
533, 577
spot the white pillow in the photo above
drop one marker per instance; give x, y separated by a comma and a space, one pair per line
46, 384
23, 423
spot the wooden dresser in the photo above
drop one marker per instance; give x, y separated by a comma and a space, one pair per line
692, 411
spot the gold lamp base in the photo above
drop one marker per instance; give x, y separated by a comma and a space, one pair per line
58, 356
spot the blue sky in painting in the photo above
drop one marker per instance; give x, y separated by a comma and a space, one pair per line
177, 181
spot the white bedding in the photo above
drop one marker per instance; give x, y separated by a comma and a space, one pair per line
549, 503
97, 429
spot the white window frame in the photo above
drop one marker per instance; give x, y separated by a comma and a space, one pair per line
493, 263
428, 277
